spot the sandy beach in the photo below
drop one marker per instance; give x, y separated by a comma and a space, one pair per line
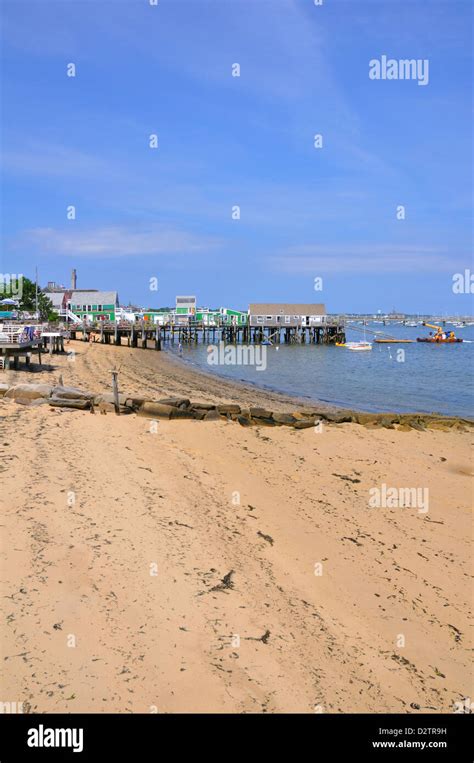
208, 567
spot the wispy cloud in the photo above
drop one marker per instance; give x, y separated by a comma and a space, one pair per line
113, 241
364, 258
48, 159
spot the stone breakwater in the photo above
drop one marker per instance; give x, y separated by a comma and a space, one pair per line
183, 408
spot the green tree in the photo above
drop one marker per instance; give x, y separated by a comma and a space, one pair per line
28, 301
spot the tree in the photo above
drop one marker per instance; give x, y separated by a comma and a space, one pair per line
28, 301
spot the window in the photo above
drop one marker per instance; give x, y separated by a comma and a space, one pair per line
84, 307
287, 318
269, 317
89, 308
259, 318
99, 307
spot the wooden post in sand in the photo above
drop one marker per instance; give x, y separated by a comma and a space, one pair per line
116, 392
157, 338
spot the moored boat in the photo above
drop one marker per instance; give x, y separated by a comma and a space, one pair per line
434, 340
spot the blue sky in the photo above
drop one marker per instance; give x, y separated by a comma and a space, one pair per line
246, 141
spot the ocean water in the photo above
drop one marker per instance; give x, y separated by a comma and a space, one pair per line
432, 378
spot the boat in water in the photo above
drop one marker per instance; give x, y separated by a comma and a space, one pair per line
359, 346
436, 340
441, 337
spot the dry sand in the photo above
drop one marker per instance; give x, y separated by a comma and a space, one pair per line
275, 637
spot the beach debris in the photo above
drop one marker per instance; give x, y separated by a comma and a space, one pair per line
115, 390
346, 477
353, 540
225, 583
263, 639
268, 538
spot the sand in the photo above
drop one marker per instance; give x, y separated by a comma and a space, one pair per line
206, 567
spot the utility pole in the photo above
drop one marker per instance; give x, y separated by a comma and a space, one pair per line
36, 293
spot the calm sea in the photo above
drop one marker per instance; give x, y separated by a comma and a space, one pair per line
431, 378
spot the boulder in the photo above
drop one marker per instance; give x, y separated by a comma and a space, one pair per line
260, 413
156, 410
267, 422
108, 397
283, 418
244, 421
3, 389
228, 408
72, 393
29, 391
389, 421
203, 406
366, 418
304, 414
181, 413
176, 402
199, 415
212, 416
135, 402
337, 418
58, 402
303, 423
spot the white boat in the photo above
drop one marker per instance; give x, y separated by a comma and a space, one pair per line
412, 324
359, 346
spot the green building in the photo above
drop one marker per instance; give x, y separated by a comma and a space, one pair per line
94, 305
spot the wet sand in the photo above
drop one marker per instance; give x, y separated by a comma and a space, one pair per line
202, 566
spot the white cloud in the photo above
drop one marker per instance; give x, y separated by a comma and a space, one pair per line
114, 241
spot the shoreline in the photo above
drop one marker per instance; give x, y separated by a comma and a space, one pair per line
167, 374
296, 400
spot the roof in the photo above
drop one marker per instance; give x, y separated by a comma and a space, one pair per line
94, 297
56, 298
286, 308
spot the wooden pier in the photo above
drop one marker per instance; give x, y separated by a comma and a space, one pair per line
154, 336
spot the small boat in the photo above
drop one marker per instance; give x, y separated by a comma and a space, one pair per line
359, 346
432, 340
412, 324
